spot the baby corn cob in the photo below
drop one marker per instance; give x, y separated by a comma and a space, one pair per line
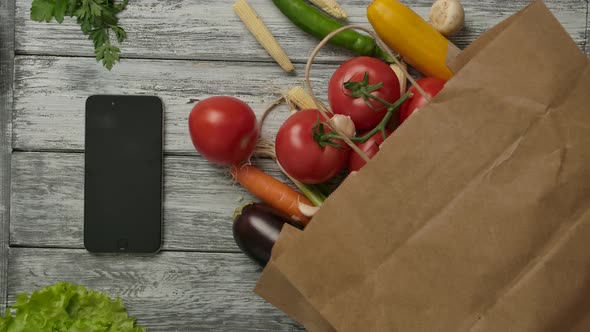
262, 34
300, 98
331, 7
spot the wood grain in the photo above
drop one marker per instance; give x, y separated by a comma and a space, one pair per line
199, 200
170, 291
587, 41
6, 76
50, 94
209, 29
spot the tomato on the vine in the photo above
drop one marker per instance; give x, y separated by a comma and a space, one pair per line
370, 148
430, 85
300, 154
223, 129
352, 83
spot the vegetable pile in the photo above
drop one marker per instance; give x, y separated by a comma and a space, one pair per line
67, 307
319, 145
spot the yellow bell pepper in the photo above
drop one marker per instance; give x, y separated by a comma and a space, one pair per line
414, 39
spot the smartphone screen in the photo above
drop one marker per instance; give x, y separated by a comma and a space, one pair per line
123, 174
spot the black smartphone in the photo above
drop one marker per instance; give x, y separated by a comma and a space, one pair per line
123, 172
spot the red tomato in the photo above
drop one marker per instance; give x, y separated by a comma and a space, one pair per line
301, 156
370, 148
223, 129
430, 85
363, 116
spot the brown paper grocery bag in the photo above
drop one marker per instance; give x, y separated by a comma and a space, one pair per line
476, 213
282, 294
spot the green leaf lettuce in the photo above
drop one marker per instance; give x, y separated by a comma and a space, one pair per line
66, 307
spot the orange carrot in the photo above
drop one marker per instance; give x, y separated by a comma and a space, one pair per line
271, 191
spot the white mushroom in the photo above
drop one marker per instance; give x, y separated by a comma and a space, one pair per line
447, 16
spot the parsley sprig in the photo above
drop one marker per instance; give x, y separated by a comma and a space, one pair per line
97, 18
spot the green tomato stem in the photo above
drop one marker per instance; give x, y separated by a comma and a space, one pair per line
382, 101
391, 109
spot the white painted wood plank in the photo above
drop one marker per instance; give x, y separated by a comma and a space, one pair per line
208, 29
6, 76
199, 200
170, 291
587, 42
50, 94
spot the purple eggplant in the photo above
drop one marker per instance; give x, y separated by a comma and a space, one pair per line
256, 228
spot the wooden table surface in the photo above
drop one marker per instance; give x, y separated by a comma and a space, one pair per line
182, 51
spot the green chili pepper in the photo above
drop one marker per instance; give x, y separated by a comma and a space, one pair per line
314, 22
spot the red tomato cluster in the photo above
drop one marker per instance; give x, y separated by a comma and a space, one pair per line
362, 88
224, 129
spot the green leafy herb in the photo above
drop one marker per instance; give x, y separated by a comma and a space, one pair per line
97, 18
66, 307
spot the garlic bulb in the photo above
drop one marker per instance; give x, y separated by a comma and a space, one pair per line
344, 123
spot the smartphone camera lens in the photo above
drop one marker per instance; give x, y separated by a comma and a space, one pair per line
122, 244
